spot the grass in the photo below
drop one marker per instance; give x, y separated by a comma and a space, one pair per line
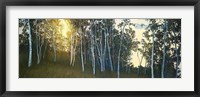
52, 71
62, 69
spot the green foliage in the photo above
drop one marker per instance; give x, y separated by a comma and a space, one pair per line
108, 38
173, 38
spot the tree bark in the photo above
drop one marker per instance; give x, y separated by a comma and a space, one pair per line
54, 47
163, 64
82, 64
30, 44
71, 53
92, 51
110, 59
118, 62
152, 53
177, 62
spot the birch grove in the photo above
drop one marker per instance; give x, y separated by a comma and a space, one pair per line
120, 48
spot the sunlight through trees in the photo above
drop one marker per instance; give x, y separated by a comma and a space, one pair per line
120, 48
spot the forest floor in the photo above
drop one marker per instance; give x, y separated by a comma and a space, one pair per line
62, 69
51, 71
65, 71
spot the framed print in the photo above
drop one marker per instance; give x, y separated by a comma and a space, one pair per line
106, 48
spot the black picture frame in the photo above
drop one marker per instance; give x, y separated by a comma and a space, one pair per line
4, 3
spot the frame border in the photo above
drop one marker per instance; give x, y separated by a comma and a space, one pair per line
4, 3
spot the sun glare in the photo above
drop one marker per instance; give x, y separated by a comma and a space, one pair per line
66, 28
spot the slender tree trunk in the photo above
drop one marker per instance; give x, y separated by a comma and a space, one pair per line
118, 65
163, 64
45, 46
98, 45
110, 59
145, 71
105, 47
113, 51
101, 51
98, 51
81, 50
152, 53
127, 68
54, 47
40, 50
92, 50
85, 51
177, 62
53, 43
30, 44
74, 50
93, 56
140, 61
71, 53
45, 50
37, 44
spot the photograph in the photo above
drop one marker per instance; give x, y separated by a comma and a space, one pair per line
99, 47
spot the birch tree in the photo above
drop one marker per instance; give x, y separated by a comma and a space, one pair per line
53, 27
92, 44
39, 40
176, 49
30, 44
163, 64
82, 64
119, 53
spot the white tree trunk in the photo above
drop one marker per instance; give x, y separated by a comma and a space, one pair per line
152, 53
40, 50
104, 54
97, 46
39, 44
110, 59
54, 47
163, 64
81, 33
118, 62
101, 51
85, 50
92, 51
30, 44
93, 62
74, 50
177, 62
71, 53
176, 53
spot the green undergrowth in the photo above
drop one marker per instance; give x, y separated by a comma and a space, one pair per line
63, 69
